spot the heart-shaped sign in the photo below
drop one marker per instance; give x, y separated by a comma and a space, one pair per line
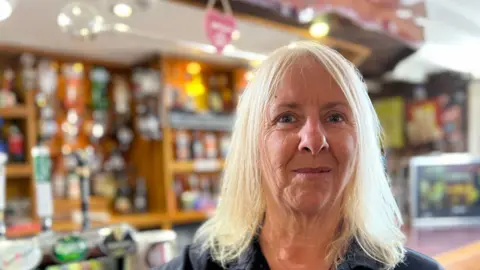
219, 28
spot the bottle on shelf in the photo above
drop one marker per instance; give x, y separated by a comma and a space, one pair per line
211, 148
198, 148
215, 101
3, 140
224, 144
7, 95
182, 145
122, 202
16, 144
140, 200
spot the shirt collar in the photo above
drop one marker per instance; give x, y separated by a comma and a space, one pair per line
253, 258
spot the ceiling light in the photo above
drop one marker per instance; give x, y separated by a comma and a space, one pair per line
229, 48
121, 27
193, 68
236, 35
63, 20
77, 11
84, 32
404, 14
249, 76
80, 19
319, 29
6, 9
306, 15
122, 10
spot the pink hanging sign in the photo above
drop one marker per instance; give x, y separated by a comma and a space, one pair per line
219, 26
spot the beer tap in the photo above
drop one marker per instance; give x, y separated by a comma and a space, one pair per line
83, 171
42, 167
3, 180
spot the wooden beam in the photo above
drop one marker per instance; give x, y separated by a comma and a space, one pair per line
466, 257
57, 56
360, 51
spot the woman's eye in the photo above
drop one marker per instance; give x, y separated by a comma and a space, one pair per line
336, 117
287, 118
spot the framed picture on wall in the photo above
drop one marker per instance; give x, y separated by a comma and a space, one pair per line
445, 190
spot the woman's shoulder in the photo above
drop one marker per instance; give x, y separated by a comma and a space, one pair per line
417, 261
191, 258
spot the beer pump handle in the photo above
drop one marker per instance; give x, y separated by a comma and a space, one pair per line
83, 172
42, 167
3, 184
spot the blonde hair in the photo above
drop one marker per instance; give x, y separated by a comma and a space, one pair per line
370, 214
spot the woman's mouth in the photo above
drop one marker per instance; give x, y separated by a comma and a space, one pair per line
317, 170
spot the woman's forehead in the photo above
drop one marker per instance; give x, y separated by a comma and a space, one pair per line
308, 80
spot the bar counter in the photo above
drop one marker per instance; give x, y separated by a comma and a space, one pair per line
455, 248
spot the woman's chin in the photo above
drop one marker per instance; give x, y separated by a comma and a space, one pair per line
309, 204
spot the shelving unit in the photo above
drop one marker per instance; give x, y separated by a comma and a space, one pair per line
20, 111
18, 171
173, 120
155, 159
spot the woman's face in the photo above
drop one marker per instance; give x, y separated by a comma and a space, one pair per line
308, 141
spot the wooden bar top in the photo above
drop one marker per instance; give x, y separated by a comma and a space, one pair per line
454, 248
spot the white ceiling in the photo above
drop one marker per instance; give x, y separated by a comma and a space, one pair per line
34, 24
452, 35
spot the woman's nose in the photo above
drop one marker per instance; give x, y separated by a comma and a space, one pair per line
313, 138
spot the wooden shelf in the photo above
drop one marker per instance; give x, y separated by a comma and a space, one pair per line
33, 229
140, 221
14, 112
188, 217
18, 170
205, 165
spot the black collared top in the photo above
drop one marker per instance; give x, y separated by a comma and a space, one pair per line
192, 258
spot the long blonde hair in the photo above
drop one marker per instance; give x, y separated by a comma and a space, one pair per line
370, 214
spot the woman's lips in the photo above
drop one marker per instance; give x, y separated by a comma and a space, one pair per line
316, 170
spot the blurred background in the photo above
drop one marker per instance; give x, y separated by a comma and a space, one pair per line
149, 89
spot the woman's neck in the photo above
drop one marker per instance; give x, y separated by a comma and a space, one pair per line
294, 241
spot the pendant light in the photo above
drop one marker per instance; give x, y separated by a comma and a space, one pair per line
6, 9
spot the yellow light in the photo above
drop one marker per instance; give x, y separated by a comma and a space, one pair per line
77, 11
249, 75
236, 35
319, 29
193, 68
255, 63
122, 10
78, 67
195, 87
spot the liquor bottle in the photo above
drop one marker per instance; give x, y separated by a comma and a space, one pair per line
3, 140
226, 94
7, 96
225, 144
15, 144
198, 149
122, 202
182, 145
140, 200
211, 145
214, 97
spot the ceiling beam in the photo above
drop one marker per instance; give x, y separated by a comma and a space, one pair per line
360, 52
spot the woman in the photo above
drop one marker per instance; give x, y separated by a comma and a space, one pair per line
304, 185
